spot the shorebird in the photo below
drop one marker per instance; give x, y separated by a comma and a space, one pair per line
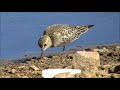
59, 35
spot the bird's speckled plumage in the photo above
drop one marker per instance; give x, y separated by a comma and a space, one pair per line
59, 35
62, 35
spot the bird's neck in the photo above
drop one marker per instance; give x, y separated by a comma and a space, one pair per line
50, 42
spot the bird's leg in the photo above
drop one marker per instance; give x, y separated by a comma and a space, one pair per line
63, 48
63, 51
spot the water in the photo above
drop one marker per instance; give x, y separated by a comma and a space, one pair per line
20, 31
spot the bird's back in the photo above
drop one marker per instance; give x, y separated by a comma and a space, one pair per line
63, 34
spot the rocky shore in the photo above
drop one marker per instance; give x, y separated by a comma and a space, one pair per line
101, 61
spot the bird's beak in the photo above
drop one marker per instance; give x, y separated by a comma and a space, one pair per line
41, 53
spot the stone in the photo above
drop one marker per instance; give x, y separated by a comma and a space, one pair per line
89, 61
114, 69
61, 73
101, 50
105, 66
88, 74
89, 54
115, 76
1, 71
21, 67
78, 75
118, 47
24, 76
38, 72
45, 57
13, 70
64, 75
103, 74
34, 67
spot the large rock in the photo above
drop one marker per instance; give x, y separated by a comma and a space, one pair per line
86, 61
90, 54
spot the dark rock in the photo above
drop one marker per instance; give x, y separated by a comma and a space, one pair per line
109, 54
114, 69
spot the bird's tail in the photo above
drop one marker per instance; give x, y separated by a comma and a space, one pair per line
89, 26
83, 29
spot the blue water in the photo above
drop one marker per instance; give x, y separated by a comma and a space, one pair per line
20, 31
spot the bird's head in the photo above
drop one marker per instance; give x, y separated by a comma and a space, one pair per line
44, 42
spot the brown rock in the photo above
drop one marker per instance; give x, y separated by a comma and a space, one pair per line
106, 66
38, 72
103, 74
34, 67
88, 74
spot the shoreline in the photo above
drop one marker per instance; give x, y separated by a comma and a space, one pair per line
108, 59
4, 61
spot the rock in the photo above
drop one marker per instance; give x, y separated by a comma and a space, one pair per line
55, 57
38, 72
45, 57
101, 50
13, 71
78, 75
17, 75
90, 54
114, 69
110, 54
1, 71
103, 74
89, 61
88, 74
34, 67
105, 50
115, 75
20, 67
33, 59
117, 47
64, 75
105, 66
24, 76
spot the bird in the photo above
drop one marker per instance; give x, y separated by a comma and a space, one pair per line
60, 35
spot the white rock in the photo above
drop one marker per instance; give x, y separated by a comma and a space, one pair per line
50, 73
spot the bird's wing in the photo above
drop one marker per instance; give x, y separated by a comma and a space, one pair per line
68, 33
54, 28
72, 33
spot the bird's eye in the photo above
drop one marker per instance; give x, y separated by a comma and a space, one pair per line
44, 44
